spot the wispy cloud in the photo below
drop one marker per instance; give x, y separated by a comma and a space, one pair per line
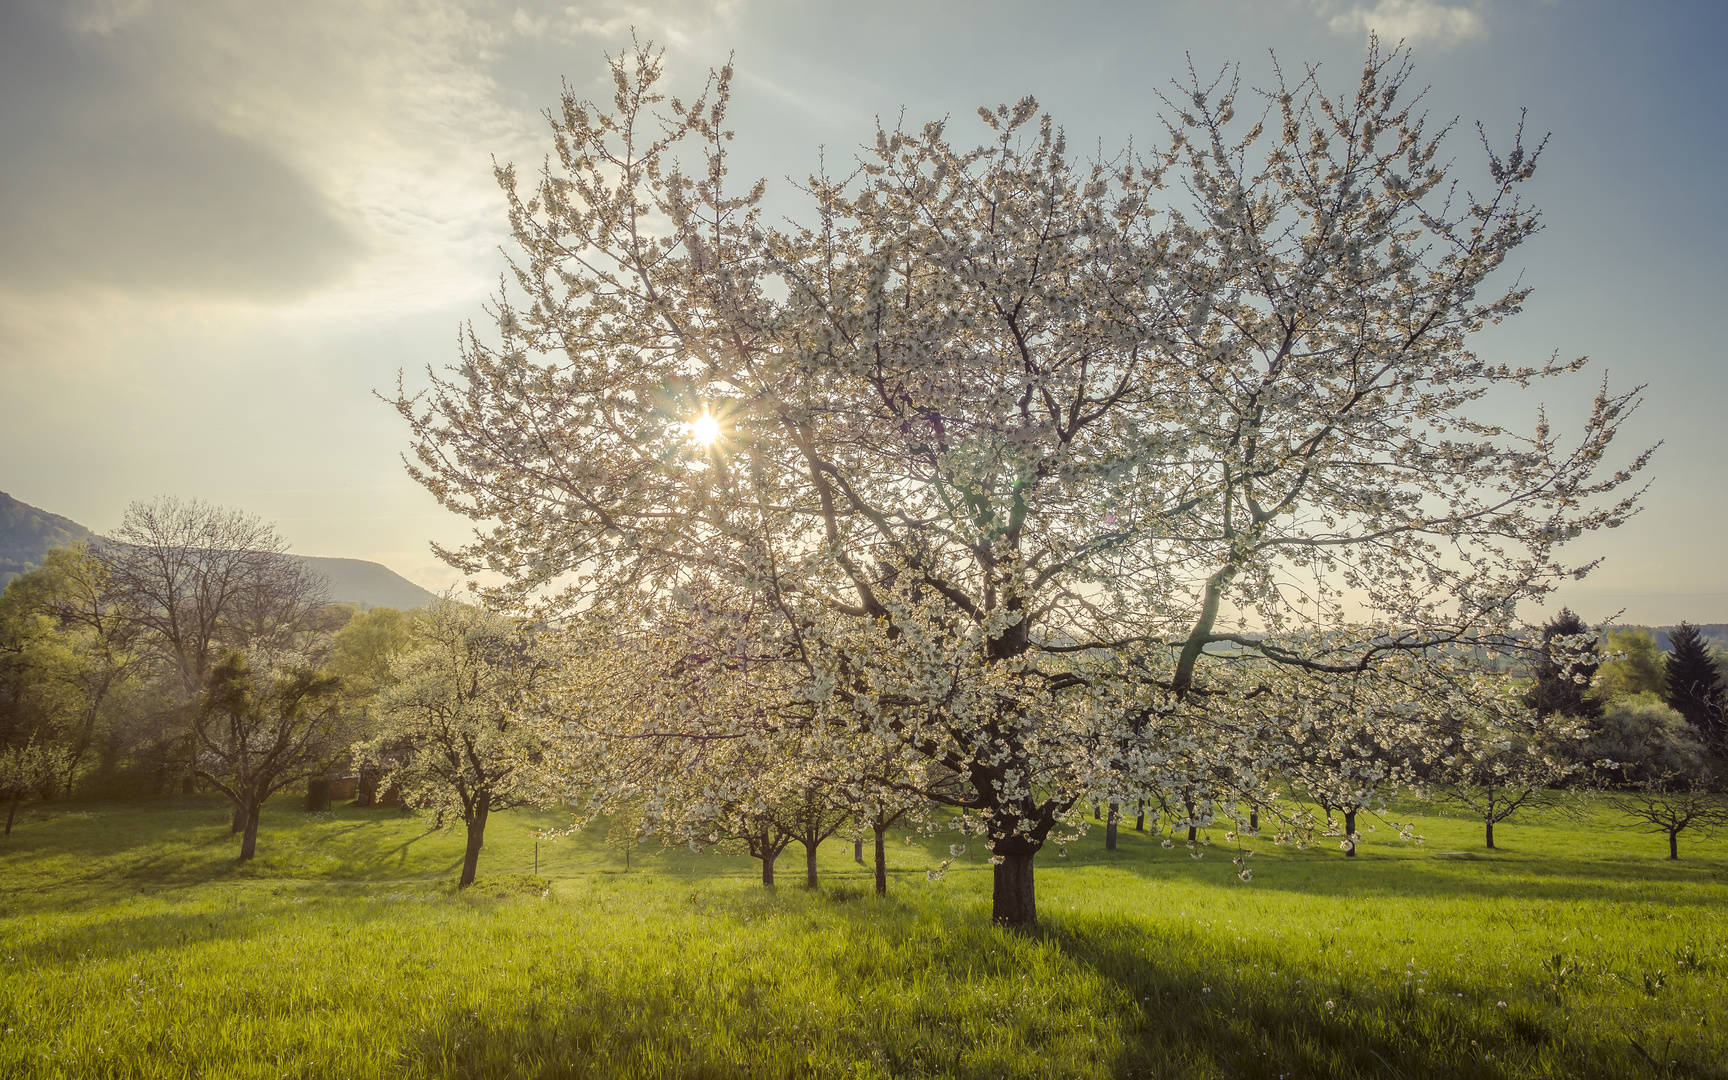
1427, 22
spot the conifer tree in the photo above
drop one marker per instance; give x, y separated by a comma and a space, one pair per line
1563, 669
1695, 687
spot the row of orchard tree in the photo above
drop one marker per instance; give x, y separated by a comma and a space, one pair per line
680, 719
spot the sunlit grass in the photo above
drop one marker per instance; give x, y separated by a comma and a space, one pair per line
133, 946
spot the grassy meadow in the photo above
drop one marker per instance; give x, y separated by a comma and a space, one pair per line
133, 946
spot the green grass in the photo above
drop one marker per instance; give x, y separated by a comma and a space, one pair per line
134, 946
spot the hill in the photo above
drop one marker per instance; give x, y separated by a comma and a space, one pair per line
28, 532
369, 584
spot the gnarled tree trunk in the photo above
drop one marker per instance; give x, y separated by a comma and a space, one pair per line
476, 838
249, 834
1013, 900
1350, 832
1110, 829
881, 859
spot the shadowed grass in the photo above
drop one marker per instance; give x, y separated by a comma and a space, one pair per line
134, 946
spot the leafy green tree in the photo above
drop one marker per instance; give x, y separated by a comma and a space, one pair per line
1695, 688
1564, 668
1637, 670
1645, 739
259, 731
42, 686
363, 650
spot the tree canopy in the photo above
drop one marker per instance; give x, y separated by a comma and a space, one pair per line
1065, 477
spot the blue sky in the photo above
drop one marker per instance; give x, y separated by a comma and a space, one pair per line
224, 224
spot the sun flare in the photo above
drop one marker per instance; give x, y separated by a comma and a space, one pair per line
704, 430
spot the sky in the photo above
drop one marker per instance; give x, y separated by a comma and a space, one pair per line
226, 226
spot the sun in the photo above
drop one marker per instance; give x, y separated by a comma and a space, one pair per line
705, 430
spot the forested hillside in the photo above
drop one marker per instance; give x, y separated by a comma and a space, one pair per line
26, 533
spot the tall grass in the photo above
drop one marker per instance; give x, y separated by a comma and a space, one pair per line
135, 947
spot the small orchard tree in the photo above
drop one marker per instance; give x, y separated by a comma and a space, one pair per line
1673, 805
29, 767
1503, 760
259, 731
450, 731
1011, 443
1343, 754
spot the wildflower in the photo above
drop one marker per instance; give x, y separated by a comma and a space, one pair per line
1331, 1004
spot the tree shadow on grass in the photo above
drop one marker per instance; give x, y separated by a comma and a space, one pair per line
1210, 1011
1478, 876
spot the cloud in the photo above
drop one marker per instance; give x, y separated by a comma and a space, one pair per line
104, 183
1428, 22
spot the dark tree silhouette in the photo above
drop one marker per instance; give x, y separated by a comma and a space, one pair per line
1563, 669
1695, 688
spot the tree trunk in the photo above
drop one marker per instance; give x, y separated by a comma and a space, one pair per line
768, 870
1140, 819
1193, 833
17, 797
1350, 833
881, 860
1673, 840
1490, 823
238, 824
1013, 901
1110, 830
858, 850
476, 837
1097, 814
810, 864
249, 838
1253, 821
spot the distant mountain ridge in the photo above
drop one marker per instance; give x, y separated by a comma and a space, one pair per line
28, 532
1713, 633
